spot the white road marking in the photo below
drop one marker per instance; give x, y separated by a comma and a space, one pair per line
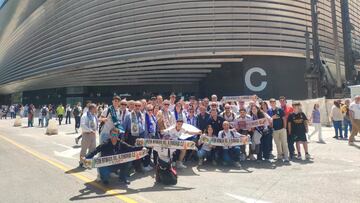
70, 153
246, 199
62, 145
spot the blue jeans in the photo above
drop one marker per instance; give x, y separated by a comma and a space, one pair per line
203, 153
347, 127
265, 146
338, 128
231, 155
105, 171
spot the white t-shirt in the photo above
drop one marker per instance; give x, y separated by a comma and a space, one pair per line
109, 123
355, 108
336, 114
173, 133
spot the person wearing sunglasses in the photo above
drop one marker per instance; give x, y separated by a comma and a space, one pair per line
112, 146
123, 111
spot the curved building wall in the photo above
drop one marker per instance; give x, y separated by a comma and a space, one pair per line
67, 43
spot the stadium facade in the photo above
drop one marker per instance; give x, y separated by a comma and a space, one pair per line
87, 49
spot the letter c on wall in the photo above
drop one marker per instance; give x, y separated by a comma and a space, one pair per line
248, 82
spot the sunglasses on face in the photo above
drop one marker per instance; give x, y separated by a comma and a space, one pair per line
138, 105
166, 104
150, 110
123, 104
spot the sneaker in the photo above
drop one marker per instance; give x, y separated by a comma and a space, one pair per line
77, 140
148, 168
180, 165
286, 161
124, 181
298, 157
252, 157
351, 143
237, 164
322, 142
200, 162
307, 156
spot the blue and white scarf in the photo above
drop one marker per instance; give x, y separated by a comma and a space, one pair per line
151, 123
115, 119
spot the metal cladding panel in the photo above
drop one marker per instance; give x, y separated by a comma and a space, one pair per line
62, 37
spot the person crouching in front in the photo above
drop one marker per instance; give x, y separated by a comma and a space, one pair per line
230, 155
206, 150
110, 147
174, 133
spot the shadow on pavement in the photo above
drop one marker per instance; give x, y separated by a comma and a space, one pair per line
94, 190
355, 145
75, 170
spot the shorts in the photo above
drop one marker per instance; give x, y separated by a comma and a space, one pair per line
300, 138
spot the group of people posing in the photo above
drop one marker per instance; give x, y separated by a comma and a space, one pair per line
122, 122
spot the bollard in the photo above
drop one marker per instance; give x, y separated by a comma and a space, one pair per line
52, 128
17, 122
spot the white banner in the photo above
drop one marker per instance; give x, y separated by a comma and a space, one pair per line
257, 123
115, 159
248, 124
171, 144
238, 98
225, 142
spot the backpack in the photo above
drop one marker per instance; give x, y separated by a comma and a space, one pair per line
76, 111
165, 173
43, 112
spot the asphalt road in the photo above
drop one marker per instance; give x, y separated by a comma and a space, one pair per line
35, 167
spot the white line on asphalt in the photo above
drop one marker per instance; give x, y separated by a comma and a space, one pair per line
70, 153
62, 145
246, 199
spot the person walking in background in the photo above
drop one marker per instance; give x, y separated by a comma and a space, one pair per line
40, 118
60, 111
337, 118
12, 111
45, 116
68, 114
51, 110
316, 122
77, 113
30, 115
355, 119
347, 122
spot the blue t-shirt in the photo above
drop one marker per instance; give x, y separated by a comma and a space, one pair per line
316, 116
278, 123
